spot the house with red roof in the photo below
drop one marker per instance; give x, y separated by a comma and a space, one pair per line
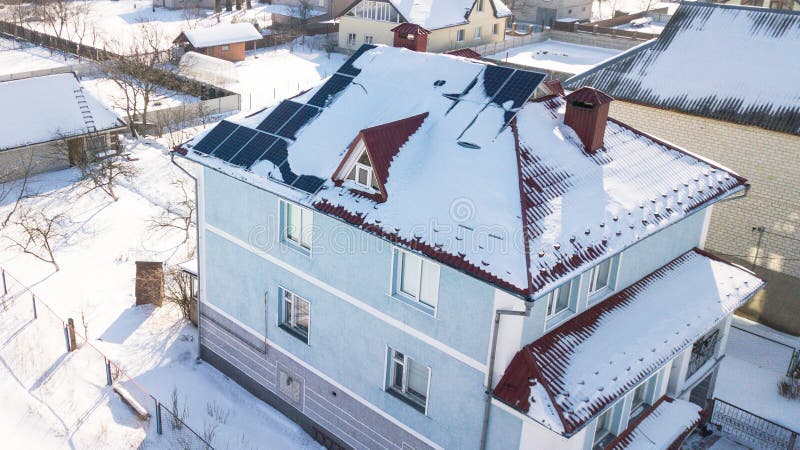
423, 25
421, 254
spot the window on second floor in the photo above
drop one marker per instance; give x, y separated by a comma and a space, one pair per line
559, 300
408, 380
417, 278
496, 29
297, 225
460, 35
702, 351
480, 5
295, 315
375, 10
602, 276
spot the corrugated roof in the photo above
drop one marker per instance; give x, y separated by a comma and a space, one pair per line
731, 63
571, 374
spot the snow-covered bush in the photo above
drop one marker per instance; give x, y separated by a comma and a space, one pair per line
789, 388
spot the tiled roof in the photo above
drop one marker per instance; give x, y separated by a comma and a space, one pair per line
730, 63
519, 206
410, 28
571, 374
464, 53
663, 426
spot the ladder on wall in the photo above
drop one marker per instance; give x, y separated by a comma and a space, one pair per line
86, 113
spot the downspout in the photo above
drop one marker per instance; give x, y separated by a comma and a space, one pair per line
197, 240
488, 405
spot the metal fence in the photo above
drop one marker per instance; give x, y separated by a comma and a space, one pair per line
48, 344
750, 429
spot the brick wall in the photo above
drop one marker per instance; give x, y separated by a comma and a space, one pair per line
771, 163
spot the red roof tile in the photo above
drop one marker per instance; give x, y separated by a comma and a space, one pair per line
589, 95
464, 53
410, 28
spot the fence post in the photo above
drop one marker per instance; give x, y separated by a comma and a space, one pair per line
66, 337
108, 372
33, 299
158, 416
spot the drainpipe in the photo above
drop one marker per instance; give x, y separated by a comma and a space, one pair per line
488, 405
197, 240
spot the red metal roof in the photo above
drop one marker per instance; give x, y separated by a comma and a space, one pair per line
465, 53
546, 362
589, 95
554, 87
410, 28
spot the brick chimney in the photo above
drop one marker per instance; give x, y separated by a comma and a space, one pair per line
587, 113
411, 36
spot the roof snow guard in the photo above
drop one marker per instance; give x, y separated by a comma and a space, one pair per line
570, 375
519, 206
724, 62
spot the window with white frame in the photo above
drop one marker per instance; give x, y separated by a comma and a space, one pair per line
480, 5
351, 39
496, 29
460, 35
604, 431
408, 379
417, 278
296, 315
298, 223
362, 173
559, 299
601, 276
375, 10
643, 397
477, 33
368, 39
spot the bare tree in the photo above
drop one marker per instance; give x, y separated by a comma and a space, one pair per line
39, 233
56, 15
17, 189
177, 289
106, 173
178, 214
80, 24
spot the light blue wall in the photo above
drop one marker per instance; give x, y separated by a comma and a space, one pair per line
347, 343
504, 430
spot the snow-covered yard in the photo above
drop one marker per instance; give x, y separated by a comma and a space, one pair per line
556, 55
750, 372
113, 96
19, 56
57, 400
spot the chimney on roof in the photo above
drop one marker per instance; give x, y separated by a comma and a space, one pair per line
411, 36
587, 113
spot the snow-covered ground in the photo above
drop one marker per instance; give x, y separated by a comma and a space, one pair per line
605, 9
557, 55
18, 56
750, 372
113, 96
55, 400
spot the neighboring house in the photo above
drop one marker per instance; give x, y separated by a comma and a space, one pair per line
50, 123
185, 4
444, 24
379, 253
773, 4
545, 12
325, 9
720, 80
225, 41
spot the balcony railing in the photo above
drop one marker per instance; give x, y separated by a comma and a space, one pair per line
702, 351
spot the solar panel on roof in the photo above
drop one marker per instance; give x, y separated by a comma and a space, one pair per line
519, 88
215, 137
235, 142
253, 150
302, 117
308, 183
347, 68
337, 83
494, 77
289, 177
277, 153
279, 116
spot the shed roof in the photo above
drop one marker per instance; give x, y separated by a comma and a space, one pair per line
222, 34
571, 374
47, 108
518, 206
730, 63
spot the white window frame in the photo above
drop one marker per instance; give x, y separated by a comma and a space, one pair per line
594, 290
402, 359
351, 39
225, 47
650, 387
552, 301
289, 299
368, 39
480, 5
359, 167
495, 29
301, 243
478, 33
460, 35
416, 298
612, 428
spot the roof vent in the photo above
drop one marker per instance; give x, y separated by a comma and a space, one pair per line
587, 114
439, 83
469, 145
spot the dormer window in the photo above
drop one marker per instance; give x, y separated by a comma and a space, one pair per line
363, 175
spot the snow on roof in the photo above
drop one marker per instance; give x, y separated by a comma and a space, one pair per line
571, 374
189, 266
457, 187
43, 109
433, 14
667, 422
226, 33
724, 62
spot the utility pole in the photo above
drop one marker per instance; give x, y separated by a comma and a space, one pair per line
761, 231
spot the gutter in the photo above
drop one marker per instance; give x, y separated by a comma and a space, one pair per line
488, 392
197, 240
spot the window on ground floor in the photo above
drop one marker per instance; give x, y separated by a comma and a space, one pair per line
351, 39
408, 380
295, 315
643, 397
605, 431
